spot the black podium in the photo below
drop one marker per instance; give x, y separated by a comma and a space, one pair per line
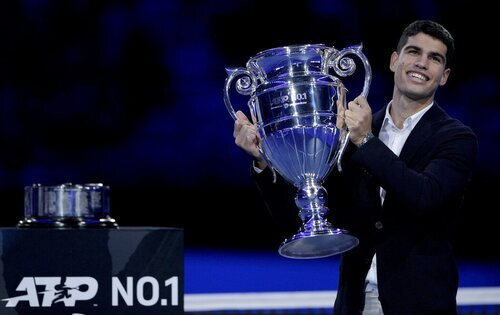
129, 270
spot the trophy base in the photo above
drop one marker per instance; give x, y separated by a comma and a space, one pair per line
67, 223
317, 244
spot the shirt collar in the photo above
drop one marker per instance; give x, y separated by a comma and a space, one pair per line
409, 122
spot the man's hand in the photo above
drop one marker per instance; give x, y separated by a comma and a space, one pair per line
340, 120
246, 137
358, 118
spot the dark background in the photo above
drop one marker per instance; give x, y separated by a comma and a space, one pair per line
129, 94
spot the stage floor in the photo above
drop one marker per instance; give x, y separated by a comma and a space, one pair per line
224, 280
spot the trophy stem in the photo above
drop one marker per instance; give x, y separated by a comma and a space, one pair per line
316, 237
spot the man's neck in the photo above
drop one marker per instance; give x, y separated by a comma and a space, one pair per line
402, 108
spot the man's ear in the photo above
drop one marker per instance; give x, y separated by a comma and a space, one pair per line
394, 58
444, 77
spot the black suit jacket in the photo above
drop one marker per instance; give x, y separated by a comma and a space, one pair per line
412, 232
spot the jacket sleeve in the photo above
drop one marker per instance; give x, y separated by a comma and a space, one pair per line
279, 200
437, 177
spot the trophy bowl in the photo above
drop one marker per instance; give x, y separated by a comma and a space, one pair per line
67, 206
293, 93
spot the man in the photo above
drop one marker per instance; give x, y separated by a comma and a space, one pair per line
404, 175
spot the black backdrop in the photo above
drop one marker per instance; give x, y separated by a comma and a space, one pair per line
129, 94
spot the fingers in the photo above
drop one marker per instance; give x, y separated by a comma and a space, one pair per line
243, 125
352, 119
340, 120
249, 140
340, 107
242, 116
241, 121
358, 118
358, 104
245, 135
359, 107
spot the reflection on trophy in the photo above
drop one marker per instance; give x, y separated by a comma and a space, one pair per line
293, 98
67, 206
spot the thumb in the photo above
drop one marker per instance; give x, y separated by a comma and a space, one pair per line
241, 116
361, 101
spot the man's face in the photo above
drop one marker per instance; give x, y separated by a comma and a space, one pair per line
419, 69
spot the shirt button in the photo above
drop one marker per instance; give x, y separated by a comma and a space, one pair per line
379, 225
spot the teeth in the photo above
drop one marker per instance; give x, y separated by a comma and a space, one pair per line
417, 76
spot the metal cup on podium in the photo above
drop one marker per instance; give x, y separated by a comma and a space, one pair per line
67, 206
293, 98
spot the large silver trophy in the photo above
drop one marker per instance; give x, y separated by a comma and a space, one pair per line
293, 96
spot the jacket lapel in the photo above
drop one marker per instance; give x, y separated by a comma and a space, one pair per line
377, 120
421, 132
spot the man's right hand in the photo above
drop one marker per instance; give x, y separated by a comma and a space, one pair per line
246, 137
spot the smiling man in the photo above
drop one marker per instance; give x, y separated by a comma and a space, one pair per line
401, 187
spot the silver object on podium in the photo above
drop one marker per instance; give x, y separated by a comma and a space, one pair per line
67, 206
293, 97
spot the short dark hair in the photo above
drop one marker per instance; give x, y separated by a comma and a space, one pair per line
432, 29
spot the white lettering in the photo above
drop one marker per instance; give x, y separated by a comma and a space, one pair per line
69, 290
27, 285
173, 282
155, 291
66, 290
143, 286
126, 294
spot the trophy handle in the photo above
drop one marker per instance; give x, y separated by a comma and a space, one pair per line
345, 66
244, 86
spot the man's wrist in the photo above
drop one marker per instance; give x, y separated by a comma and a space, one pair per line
260, 164
365, 139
